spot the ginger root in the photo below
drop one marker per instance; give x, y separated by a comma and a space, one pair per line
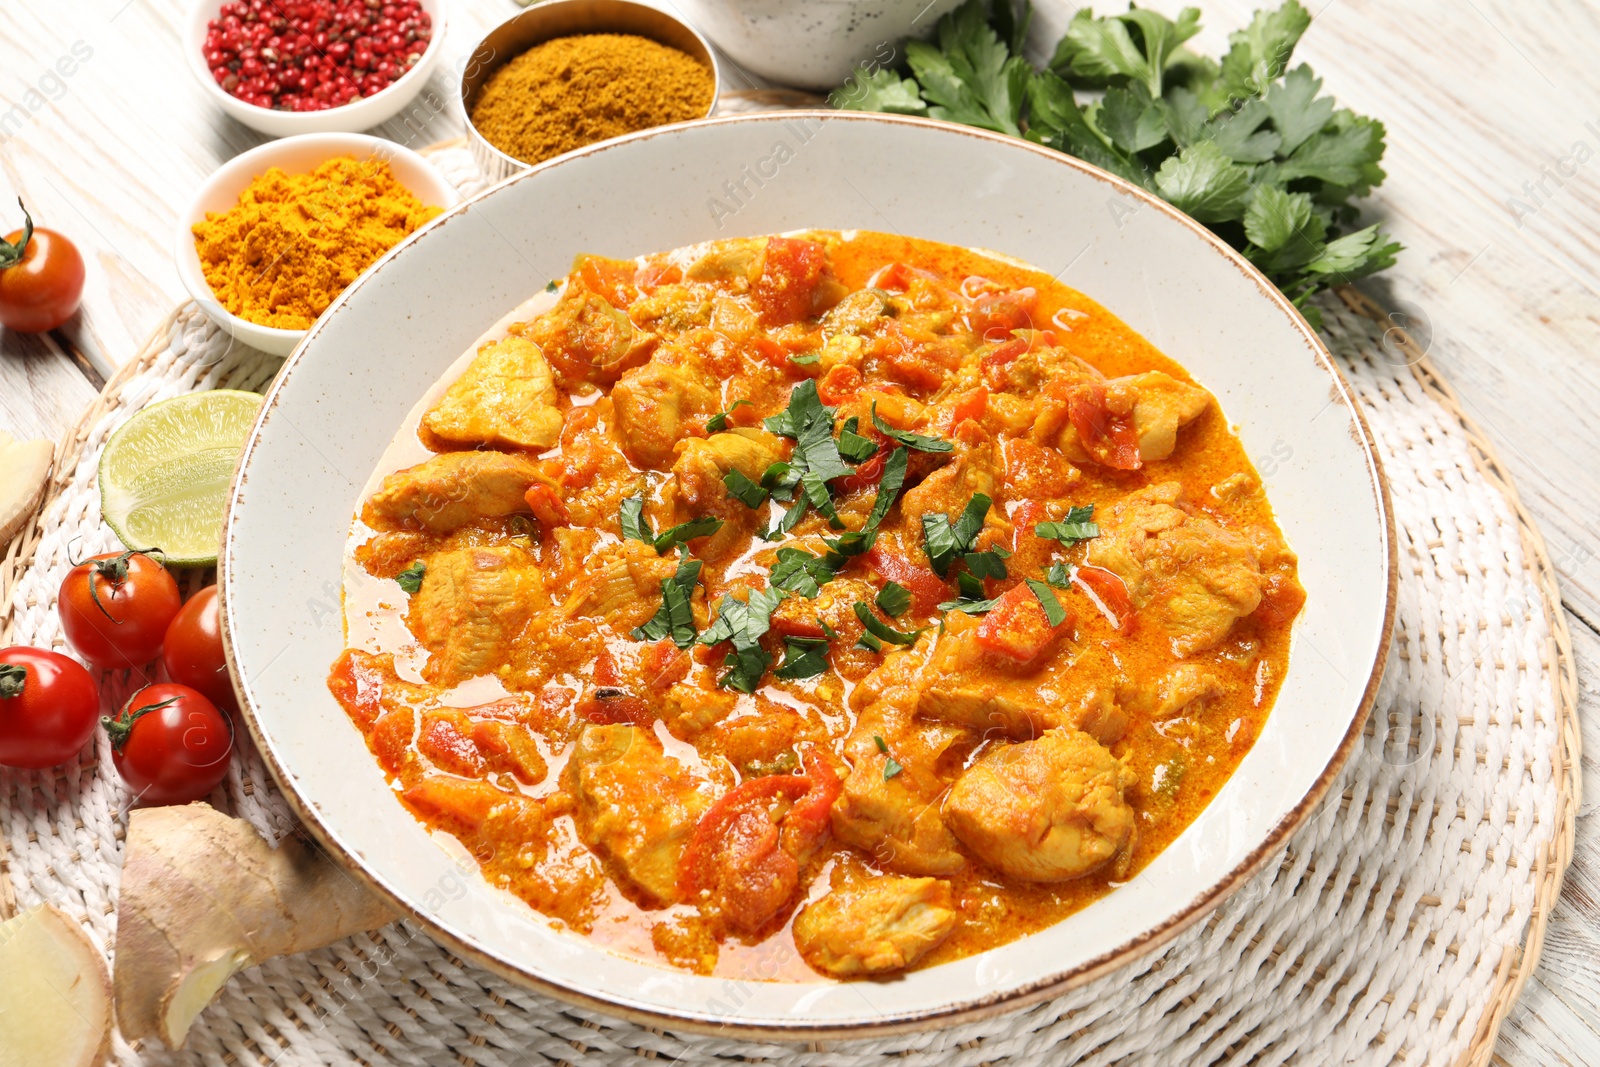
203, 897
27, 467
55, 994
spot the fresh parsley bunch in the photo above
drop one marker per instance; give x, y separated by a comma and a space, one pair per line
1246, 146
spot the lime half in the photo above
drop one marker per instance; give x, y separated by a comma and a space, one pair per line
164, 474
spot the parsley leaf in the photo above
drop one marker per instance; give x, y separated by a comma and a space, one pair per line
853, 447
1053, 611
943, 540
804, 408
803, 657
410, 579
799, 571
858, 541
635, 526
780, 480
969, 605
893, 599
907, 438
989, 564
891, 767
675, 617
881, 630
1246, 146
1059, 575
719, 422
743, 489
743, 622
806, 360
1077, 526
879, 90
674, 536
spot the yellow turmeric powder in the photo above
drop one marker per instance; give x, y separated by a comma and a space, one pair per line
572, 91
295, 241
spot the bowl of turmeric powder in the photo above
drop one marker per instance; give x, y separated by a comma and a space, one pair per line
275, 234
567, 73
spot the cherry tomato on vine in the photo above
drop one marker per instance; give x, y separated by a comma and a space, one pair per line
170, 744
192, 651
41, 278
48, 707
115, 609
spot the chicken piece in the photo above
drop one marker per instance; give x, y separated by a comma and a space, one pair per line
448, 491
1044, 810
739, 261
1186, 689
896, 819
973, 469
636, 807
472, 603
587, 340
505, 398
855, 314
874, 926
622, 586
653, 406
960, 689
1196, 576
697, 479
1162, 407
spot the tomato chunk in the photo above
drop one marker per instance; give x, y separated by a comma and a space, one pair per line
547, 506
994, 316
358, 687
1017, 628
838, 385
610, 278
610, 706
664, 664
927, 589
1109, 438
1108, 589
788, 282
971, 406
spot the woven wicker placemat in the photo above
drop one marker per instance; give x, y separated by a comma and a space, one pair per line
1399, 924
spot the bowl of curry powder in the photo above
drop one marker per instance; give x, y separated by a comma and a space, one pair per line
569, 73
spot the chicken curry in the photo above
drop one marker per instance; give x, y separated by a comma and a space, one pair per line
835, 603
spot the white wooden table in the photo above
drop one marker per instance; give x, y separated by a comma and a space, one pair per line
1493, 114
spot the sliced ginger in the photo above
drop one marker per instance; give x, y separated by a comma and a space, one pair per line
26, 465
55, 994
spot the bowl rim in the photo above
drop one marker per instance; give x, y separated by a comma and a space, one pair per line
472, 72
204, 11
259, 158
966, 1009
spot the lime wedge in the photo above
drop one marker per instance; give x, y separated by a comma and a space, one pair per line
164, 474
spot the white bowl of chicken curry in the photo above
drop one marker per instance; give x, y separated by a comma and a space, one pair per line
815, 606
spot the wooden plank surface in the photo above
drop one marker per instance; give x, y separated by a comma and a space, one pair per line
1493, 118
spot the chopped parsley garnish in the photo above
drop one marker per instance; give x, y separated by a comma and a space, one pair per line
893, 599
858, 541
719, 422
1077, 526
799, 571
803, 657
911, 440
805, 407
879, 630
743, 622
634, 525
1053, 611
883, 746
743, 489
943, 540
675, 617
852, 446
891, 766
806, 360
970, 606
815, 462
410, 579
674, 536
1059, 575
987, 564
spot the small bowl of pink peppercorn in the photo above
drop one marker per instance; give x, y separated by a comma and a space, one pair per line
314, 66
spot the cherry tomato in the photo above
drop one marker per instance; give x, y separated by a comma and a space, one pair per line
41, 279
170, 744
48, 707
192, 650
115, 609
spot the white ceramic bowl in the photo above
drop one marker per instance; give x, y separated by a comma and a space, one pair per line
813, 44
351, 118
295, 155
389, 337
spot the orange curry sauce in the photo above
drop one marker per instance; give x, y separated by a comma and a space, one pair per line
774, 766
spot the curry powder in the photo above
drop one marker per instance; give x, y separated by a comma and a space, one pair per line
295, 241
572, 91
